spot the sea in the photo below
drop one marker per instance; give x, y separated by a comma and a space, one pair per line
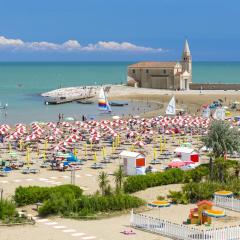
21, 84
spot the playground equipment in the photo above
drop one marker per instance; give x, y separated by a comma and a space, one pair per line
204, 213
196, 215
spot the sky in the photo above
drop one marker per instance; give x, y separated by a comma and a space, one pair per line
118, 30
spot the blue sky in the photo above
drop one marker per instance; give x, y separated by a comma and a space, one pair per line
120, 30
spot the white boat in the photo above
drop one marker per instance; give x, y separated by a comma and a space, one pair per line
171, 108
103, 104
3, 106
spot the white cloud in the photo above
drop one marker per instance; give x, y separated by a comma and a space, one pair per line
42, 46
10, 42
73, 45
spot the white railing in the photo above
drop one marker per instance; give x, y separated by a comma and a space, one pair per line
182, 232
227, 202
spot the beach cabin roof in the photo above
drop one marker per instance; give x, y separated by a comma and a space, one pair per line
183, 150
130, 154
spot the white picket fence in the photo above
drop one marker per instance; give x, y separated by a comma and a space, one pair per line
227, 202
182, 232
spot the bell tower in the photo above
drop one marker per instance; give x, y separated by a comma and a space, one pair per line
187, 59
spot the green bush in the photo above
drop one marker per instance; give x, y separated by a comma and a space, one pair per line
88, 205
195, 192
178, 197
171, 176
7, 209
34, 194
58, 204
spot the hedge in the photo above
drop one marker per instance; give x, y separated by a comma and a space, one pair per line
7, 209
89, 205
33, 194
171, 176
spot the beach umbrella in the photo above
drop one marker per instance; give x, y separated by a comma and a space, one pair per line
154, 153
27, 156
95, 157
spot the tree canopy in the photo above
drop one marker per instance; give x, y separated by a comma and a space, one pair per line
222, 138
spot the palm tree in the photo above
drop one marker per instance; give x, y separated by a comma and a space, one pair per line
118, 176
103, 182
222, 139
237, 169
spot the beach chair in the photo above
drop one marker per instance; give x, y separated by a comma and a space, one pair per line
34, 170
26, 171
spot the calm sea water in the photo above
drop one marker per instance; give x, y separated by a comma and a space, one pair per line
21, 84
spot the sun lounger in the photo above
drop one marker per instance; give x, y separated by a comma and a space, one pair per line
44, 165
34, 170
26, 171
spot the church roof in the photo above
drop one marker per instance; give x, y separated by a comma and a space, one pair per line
186, 48
154, 65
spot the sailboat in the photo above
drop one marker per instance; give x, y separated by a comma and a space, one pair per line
103, 104
171, 108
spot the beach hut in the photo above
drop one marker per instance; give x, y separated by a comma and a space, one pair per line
187, 154
134, 163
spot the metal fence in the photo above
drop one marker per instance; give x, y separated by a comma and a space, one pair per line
182, 232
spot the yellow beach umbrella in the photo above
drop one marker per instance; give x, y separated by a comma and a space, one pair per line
103, 153
27, 156
173, 135
154, 153
45, 144
44, 155
85, 150
161, 147
113, 147
20, 144
132, 148
9, 147
95, 157
75, 152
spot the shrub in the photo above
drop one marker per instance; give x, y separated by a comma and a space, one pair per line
178, 197
141, 182
89, 205
7, 209
34, 194
205, 190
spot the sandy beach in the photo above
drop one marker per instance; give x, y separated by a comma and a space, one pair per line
190, 100
57, 228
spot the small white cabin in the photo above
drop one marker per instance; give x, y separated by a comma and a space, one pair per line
134, 163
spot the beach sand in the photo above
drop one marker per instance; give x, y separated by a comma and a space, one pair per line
190, 100
86, 178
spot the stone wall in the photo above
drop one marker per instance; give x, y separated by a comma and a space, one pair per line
214, 86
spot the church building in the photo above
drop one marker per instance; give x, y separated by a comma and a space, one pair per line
163, 75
